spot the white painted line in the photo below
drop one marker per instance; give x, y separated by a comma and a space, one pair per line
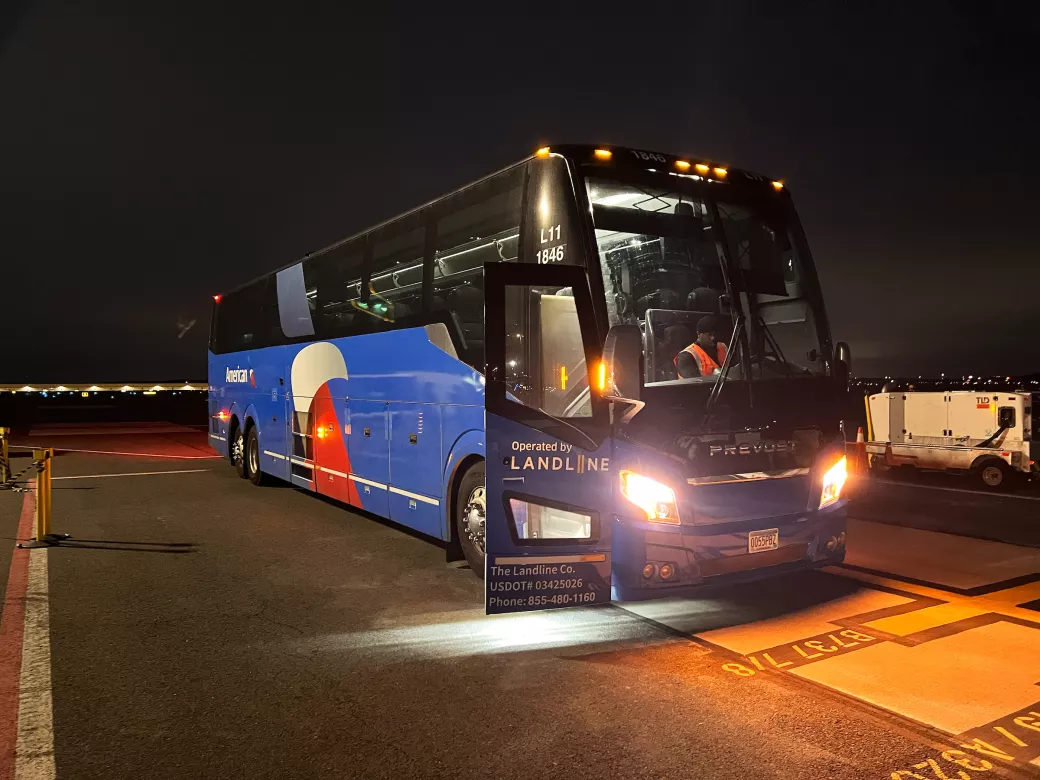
416, 496
966, 490
333, 472
591, 557
363, 481
34, 759
133, 474
274, 454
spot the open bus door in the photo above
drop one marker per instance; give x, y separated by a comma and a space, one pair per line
549, 478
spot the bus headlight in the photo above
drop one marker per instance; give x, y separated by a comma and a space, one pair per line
657, 500
833, 482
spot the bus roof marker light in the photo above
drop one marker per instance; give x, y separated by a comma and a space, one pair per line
603, 154
701, 168
778, 185
721, 173
682, 165
216, 298
542, 152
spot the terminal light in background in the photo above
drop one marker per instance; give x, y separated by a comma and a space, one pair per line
833, 482
655, 499
603, 154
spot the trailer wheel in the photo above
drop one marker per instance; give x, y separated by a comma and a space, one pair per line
993, 474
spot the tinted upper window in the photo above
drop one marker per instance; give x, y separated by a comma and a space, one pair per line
239, 319
479, 225
332, 287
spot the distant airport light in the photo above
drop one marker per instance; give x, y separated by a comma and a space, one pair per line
682, 165
701, 168
543, 152
721, 172
603, 154
216, 298
778, 185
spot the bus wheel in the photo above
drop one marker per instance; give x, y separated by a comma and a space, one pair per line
256, 476
993, 473
470, 511
238, 453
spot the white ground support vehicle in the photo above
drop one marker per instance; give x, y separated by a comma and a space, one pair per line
992, 435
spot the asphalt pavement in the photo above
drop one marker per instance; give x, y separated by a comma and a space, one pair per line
202, 627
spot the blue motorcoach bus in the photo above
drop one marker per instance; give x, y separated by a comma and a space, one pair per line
598, 373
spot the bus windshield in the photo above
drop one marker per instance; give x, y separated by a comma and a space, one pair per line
662, 255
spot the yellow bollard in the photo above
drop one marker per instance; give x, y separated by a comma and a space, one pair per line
5, 464
43, 536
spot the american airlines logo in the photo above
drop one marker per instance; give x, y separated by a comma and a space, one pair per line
751, 448
241, 376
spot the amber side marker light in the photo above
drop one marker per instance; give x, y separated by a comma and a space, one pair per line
603, 154
778, 185
701, 168
721, 172
682, 165
543, 152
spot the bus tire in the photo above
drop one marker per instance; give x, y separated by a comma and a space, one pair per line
237, 448
993, 474
252, 457
470, 511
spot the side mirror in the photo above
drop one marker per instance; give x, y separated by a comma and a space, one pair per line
842, 363
623, 358
623, 365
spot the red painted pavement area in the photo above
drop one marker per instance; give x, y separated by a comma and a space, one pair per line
185, 443
12, 628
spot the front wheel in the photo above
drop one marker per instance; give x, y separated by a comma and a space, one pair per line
470, 514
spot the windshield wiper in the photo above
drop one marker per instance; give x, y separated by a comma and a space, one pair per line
727, 364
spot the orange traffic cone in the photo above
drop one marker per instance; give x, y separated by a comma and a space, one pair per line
861, 452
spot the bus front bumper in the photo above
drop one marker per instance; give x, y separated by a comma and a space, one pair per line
701, 557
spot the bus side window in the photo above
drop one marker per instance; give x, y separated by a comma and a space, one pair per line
395, 279
332, 284
478, 225
240, 320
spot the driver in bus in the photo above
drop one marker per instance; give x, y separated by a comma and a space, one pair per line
704, 356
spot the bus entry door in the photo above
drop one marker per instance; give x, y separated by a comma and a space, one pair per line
547, 523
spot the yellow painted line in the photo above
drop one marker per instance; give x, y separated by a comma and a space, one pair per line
922, 619
992, 602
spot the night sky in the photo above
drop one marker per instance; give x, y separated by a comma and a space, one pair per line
156, 154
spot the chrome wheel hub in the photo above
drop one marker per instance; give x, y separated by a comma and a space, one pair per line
237, 448
473, 518
254, 456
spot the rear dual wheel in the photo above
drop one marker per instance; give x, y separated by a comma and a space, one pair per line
245, 455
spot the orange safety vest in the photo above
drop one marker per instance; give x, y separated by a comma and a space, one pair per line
706, 365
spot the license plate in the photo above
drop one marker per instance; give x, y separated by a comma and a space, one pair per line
760, 541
